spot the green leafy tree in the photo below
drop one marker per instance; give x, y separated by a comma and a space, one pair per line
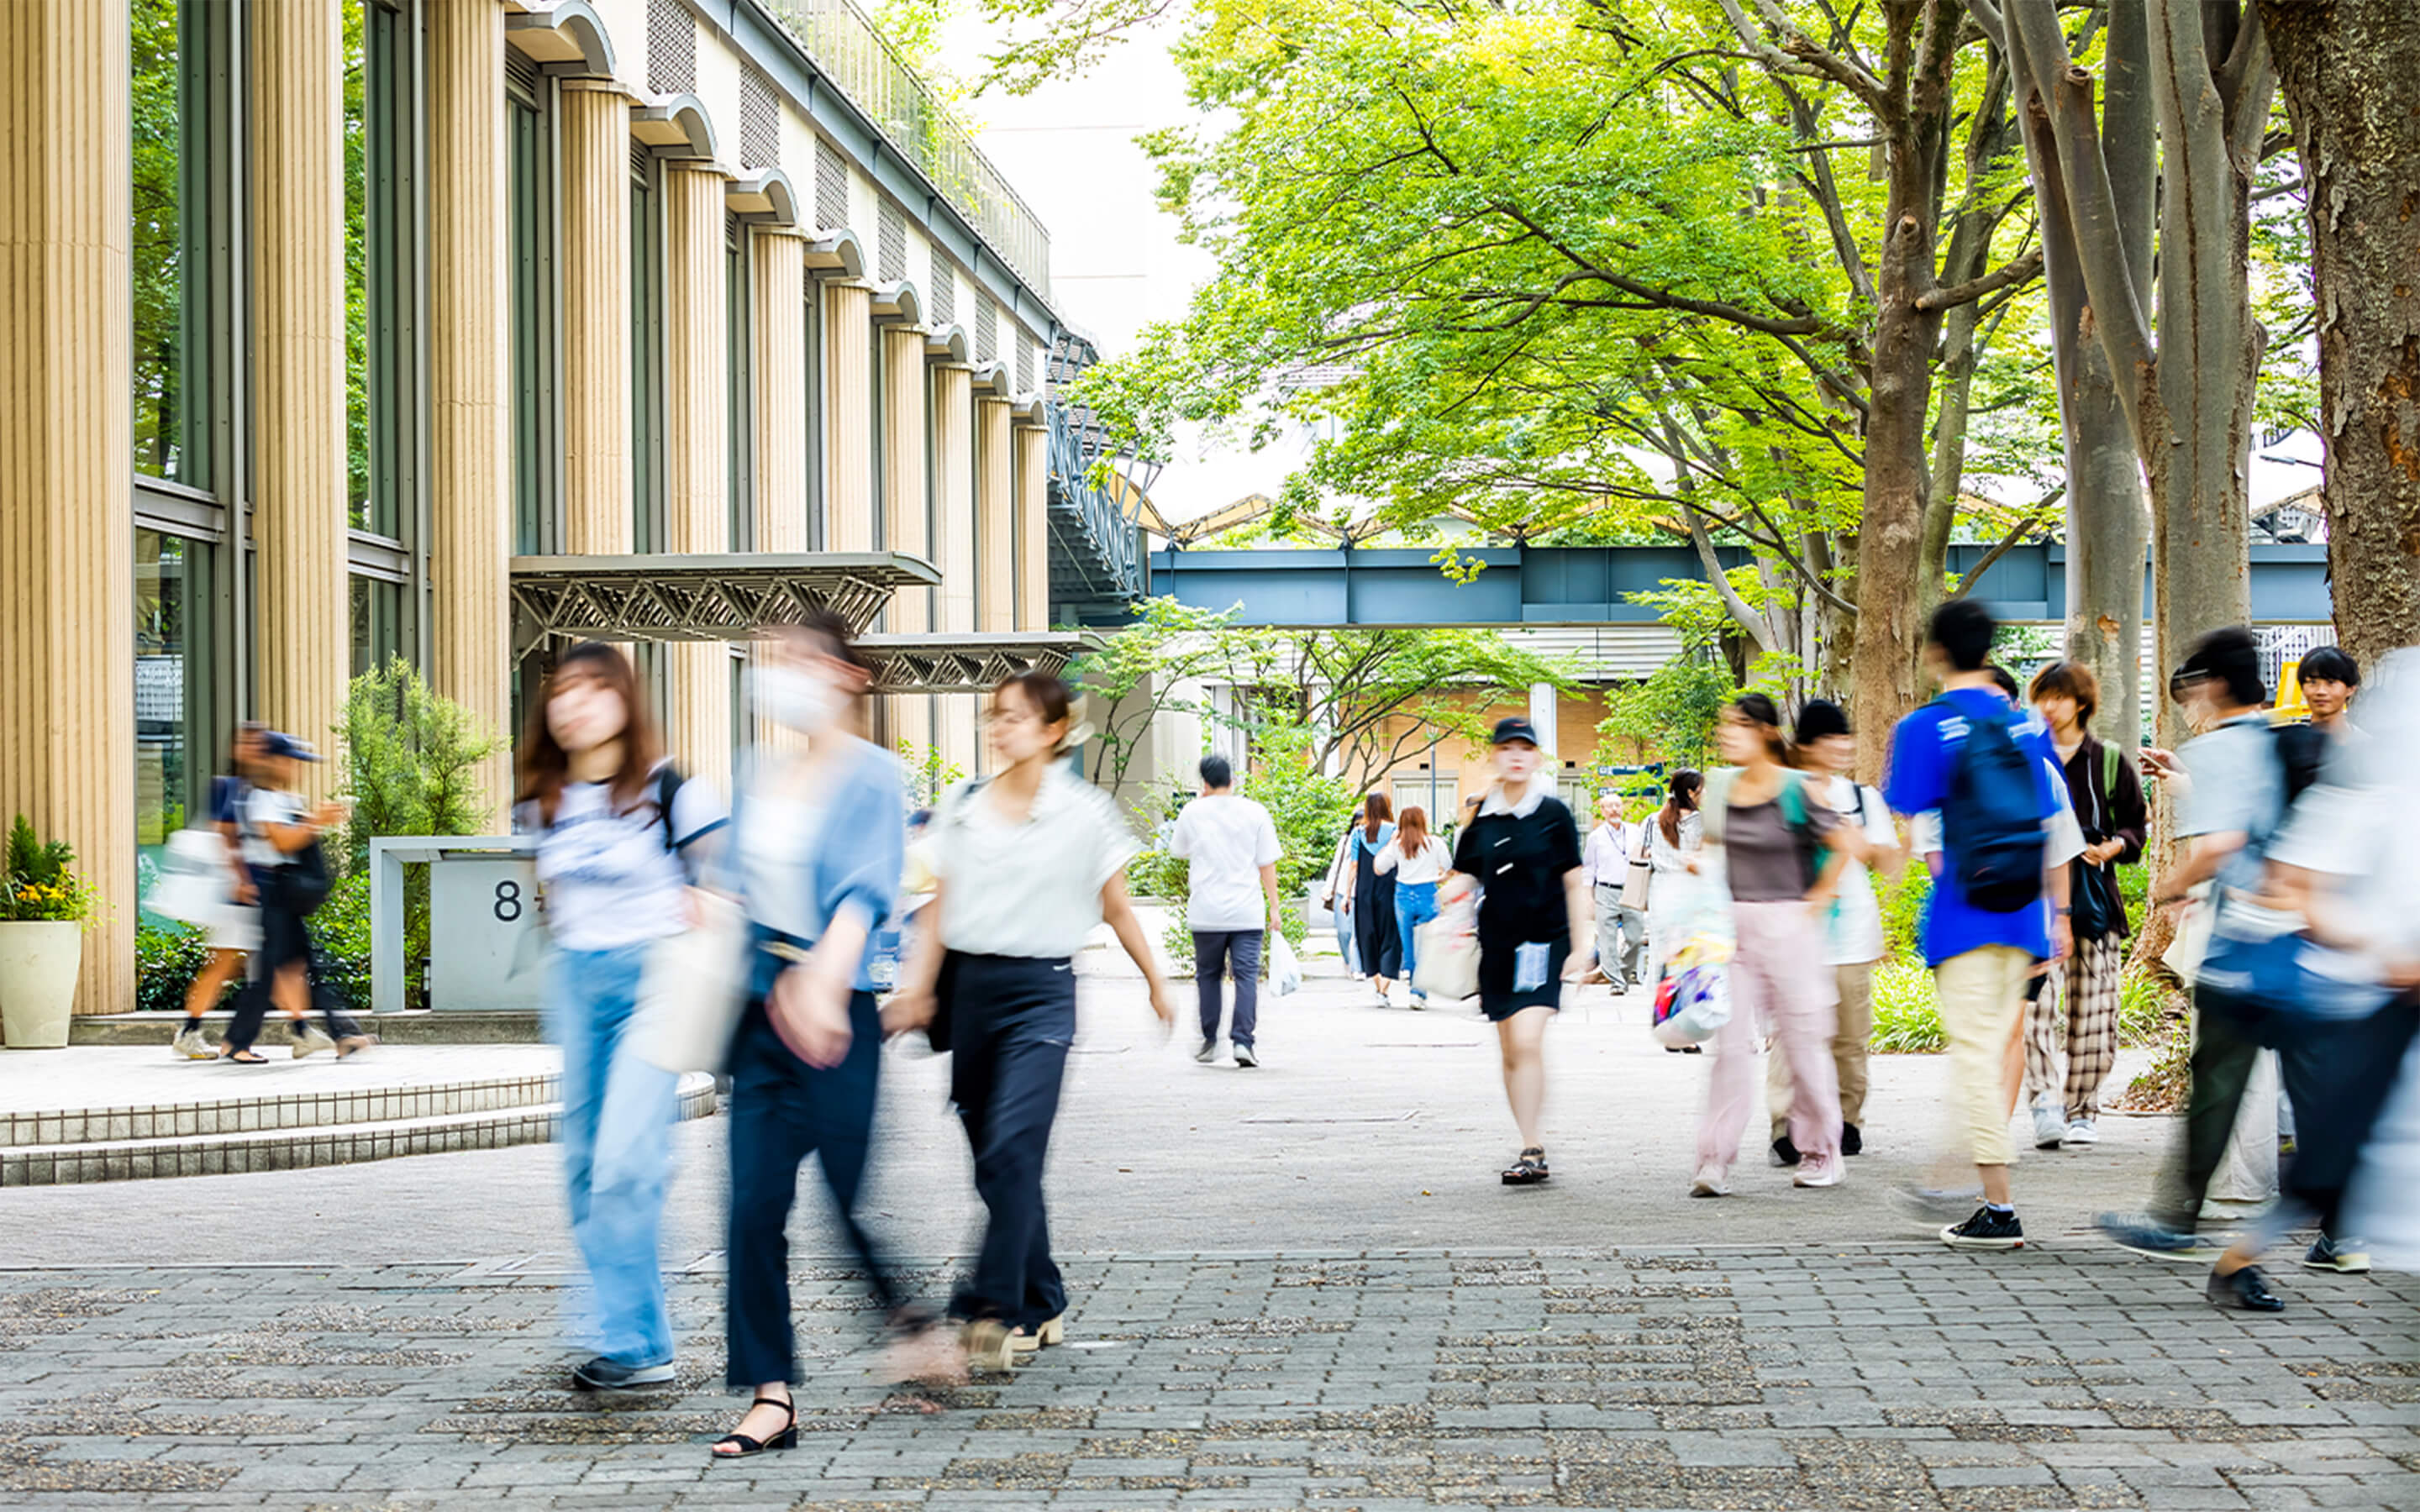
411, 760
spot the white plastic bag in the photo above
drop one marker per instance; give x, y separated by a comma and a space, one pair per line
693, 989
1448, 964
1700, 1003
1285, 972
196, 884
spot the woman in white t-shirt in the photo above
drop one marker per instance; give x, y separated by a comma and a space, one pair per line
1418, 860
1026, 863
619, 846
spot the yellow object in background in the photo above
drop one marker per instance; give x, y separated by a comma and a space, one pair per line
2291, 707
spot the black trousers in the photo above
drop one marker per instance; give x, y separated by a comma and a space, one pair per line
285, 937
2337, 1073
1212, 951
783, 1110
1014, 1019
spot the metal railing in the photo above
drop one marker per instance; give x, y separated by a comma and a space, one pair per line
1108, 516
917, 123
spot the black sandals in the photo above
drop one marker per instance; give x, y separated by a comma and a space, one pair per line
743, 1445
1528, 1170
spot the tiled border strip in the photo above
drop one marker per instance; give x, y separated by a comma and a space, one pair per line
274, 1110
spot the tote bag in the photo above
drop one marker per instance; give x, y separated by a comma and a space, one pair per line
693, 989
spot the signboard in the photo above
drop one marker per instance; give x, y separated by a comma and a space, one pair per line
484, 944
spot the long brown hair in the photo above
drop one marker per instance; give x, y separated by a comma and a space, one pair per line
546, 766
1376, 811
1412, 829
1758, 710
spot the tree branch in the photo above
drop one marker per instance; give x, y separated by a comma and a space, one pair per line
2039, 516
2023, 270
1800, 55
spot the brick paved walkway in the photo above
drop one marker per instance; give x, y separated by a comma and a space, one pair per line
1886, 1376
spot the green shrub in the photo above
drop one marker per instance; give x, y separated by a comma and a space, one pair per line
167, 958
1902, 907
1176, 945
1154, 874
412, 759
1906, 1022
2149, 1009
341, 928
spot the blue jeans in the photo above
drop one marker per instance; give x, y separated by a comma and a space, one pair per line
617, 1115
1415, 905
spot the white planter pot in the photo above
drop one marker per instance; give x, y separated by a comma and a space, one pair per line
38, 978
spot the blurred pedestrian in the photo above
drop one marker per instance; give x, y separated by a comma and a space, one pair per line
234, 930
1851, 928
2107, 800
1418, 861
1675, 833
1523, 850
1621, 928
818, 845
1781, 852
1986, 766
280, 832
621, 837
1028, 861
1229, 847
1336, 896
1373, 894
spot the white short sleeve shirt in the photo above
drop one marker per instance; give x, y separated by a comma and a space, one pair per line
1225, 839
1029, 888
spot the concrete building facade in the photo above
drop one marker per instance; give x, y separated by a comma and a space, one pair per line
321, 314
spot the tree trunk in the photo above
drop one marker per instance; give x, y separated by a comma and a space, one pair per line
2350, 69
2193, 420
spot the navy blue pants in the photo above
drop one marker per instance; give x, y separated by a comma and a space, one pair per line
1212, 952
783, 1110
1013, 1019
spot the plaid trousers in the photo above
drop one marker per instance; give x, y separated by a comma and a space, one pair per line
2085, 1006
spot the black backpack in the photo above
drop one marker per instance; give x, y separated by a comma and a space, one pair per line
303, 881
1990, 821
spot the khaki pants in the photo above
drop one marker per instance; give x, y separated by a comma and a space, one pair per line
1853, 1026
1980, 994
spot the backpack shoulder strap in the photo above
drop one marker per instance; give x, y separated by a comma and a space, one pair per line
668, 786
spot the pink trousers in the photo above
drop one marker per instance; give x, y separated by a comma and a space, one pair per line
1779, 985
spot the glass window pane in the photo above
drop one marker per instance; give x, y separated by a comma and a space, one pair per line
165, 612
170, 162
532, 348
377, 620
357, 315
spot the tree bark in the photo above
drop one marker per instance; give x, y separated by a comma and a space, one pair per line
1890, 535
2350, 70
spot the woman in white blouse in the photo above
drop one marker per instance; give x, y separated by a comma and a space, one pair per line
1026, 862
1418, 860
1674, 835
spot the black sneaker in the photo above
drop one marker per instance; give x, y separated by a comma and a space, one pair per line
1987, 1230
1784, 1152
1244, 1056
2247, 1290
2346, 1255
1853, 1140
602, 1374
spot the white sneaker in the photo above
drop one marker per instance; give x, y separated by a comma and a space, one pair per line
1829, 1171
1709, 1182
190, 1045
2082, 1133
2049, 1128
312, 1041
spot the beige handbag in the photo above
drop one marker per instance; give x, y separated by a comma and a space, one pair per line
693, 989
1642, 869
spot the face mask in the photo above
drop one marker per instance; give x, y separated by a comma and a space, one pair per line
793, 699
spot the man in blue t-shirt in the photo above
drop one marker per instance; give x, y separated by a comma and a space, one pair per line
1979, 958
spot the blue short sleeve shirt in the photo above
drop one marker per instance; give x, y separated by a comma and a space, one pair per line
1924, 752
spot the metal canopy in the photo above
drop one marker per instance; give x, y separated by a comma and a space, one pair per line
965, 663
726, 596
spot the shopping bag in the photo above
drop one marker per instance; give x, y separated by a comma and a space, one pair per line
196, 884
691, 990
1448, 964
1285, 972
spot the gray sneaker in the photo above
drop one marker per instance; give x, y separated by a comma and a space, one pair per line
1208, 1053
1245, 1059
2049, 1128
190, 1043
310, 1040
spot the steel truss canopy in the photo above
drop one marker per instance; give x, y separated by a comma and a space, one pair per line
966, 663
725, 597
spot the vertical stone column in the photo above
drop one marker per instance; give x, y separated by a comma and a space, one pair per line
1033, 527
697, 455
302, 621
994, 518
849, 416
593, 130
776, 271
470, 374
905, 383
953, 550
67, 511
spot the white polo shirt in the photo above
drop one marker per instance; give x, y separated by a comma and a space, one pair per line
1029, 888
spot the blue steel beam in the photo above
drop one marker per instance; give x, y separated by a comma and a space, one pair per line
1588, 585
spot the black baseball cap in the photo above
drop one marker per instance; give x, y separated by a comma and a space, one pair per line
1512, 729
278, 742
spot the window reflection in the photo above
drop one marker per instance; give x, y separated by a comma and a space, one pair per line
165, 609
166, 246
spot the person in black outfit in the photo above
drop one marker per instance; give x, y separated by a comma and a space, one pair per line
1523, 850
1374, 940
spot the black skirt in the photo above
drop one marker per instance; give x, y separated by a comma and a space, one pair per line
1373, 919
